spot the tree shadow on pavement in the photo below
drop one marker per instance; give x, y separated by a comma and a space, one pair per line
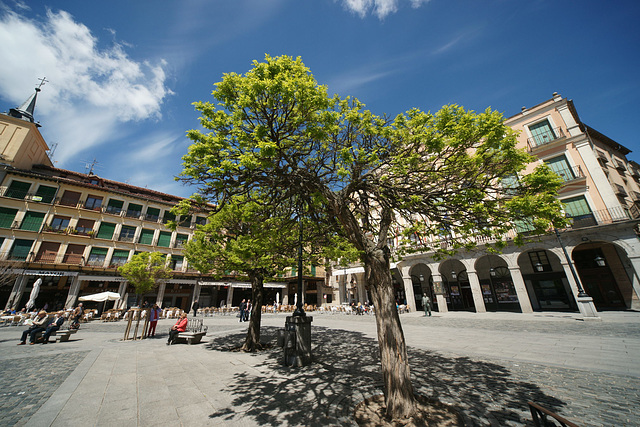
346, 369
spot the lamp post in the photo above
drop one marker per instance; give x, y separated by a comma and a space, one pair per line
299, 310
585, 302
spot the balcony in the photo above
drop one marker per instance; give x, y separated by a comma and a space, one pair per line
620, 167
73, 203
133, 214
129, 239
113, 210
545, 138
46, 258
95, 262
620, 190
571, 174
600, 217
151, 217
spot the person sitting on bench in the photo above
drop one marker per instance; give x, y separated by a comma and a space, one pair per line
55, 324
180, 326
39, 324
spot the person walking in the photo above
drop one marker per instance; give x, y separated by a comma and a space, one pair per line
180, 326
154, 315
243, 308
76, 315
195, 308
426, 304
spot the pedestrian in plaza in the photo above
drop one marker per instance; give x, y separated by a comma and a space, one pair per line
426, 304
76, 315
55, 325
247, 311
154, 315
195, 308
242, 308
180, 326
39, 324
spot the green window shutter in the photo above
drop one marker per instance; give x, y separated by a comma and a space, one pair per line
114, 206
134, 207
18, 189
120, 253
542, 132
576, 206
32, 221
106, 231
313, 270
523, 226
560, 165
164, 240
20, 250
152, 214
294, 271
45, 194
7, 216
181, 239
146, 237
99, 251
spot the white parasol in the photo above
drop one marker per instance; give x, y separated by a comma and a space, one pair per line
101, 297
34, 293
277, 297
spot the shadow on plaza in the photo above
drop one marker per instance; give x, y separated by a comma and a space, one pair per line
346, 369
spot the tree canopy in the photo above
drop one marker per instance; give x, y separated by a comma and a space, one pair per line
145, 270
275, 131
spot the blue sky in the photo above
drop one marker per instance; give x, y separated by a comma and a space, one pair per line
123, 74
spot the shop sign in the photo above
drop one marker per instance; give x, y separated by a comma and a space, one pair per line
50, 273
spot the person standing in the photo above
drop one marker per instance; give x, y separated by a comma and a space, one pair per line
247, 311
39, 324
154, 315
195, 308
243, 308
180, 326
426, 304
76, 316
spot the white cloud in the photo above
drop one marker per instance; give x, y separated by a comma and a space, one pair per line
90, 90
381, 8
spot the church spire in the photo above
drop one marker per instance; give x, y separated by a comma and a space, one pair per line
26, 110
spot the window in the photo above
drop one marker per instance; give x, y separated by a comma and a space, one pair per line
542, 133
7, 216
119, 258
97, 257
18, 190
93, 203
200, 220
153, 214
48, 252
85, 226
181, 239
20, 250
127, 233
32, 221
176, 262
164, 240
168, 216
70, 198
106, 231
59, 223
45, 194
539, 261
578, 210
114, 207
73, 254
560, 165
185, 221
146, 237
134, 211
510, 184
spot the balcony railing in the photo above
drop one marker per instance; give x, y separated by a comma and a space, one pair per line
113, 210
620, 190
571, 174
133, 214
47, 258
600, 217
545, 138
150, 217
73, 203
95, 262
126, 238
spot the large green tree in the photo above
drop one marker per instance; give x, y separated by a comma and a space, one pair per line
144, 270
244, 237
276, 129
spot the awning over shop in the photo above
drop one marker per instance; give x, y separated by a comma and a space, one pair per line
243, 284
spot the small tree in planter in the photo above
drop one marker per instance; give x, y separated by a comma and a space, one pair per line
144, 271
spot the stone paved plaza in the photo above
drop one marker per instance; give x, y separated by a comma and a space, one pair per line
485, 365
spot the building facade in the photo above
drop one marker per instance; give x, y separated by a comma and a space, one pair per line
601, 195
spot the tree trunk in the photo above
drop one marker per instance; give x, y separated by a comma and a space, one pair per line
252, 342
398, 391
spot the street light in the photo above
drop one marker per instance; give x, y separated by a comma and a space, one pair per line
601, 262
453, 275
492, 272
539, 267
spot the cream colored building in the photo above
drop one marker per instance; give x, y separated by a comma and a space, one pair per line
602, 197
